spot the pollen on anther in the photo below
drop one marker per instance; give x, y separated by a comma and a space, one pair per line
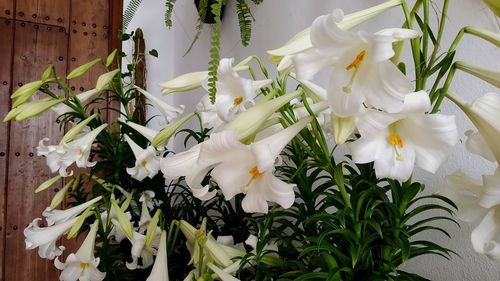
238, 100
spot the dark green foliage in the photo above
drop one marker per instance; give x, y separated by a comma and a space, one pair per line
245, 19
129, 13
169, 10
214, 50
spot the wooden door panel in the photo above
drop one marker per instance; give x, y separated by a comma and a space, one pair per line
50, 12
7, 31
35, 48
89, 39
7, 9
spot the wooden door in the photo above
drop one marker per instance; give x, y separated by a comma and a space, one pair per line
35, 33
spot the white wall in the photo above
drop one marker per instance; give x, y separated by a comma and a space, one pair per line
276, 22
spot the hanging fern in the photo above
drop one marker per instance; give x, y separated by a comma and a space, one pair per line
245, 19
129, 13
203, 7
214, 51
169, 5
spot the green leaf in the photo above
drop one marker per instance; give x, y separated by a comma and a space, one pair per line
245, 19
129, 14
169, 5
154, 53
82, 69
216, 9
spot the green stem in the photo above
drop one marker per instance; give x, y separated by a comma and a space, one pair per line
425, 35
440, 33
445, 88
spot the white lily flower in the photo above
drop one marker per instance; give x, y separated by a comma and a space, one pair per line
45, 238
234, 93
302, 41
465, 193
82, 265
491, 76
148, 133
208, 113
147, 163
54, 216
54, 157
61, 109
184, 83
398, 142
78, 150
362, 69
484, 112
145, 219
249, 169
186, 164
168, 111
140, 249
490, 195
485, 237
147, 197
476, 144
160, 267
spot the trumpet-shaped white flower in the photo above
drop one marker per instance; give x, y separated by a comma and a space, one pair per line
60, 157
82, 265
186, 164
160, 267
208, 113
184, 83
147, 197
168, 111
239, 168
485, 237
147, 162
45, 238
465, 192
476, 144
234, 93
362, 70
396, 142
484, 112
142, 250
53, 216
145, 219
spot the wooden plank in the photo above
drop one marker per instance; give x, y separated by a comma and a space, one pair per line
35, 48
115, 42
7, 9
50, 12
89, 39
7, 31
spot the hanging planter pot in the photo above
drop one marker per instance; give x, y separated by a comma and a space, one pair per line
209, 17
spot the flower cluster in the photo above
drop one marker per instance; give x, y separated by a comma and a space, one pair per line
261, 189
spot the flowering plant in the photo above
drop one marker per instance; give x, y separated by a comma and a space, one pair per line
264, 192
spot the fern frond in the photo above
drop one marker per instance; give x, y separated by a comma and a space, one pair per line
169, 5
245, 19
130, 12
214, 51
203, 8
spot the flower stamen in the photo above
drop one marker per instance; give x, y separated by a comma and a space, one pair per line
356, 63
254, 171
237, 101
396, 142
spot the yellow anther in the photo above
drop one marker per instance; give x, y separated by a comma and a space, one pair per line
356, 63
238, 100
83, 265
396, 140
254, 171
144, 163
